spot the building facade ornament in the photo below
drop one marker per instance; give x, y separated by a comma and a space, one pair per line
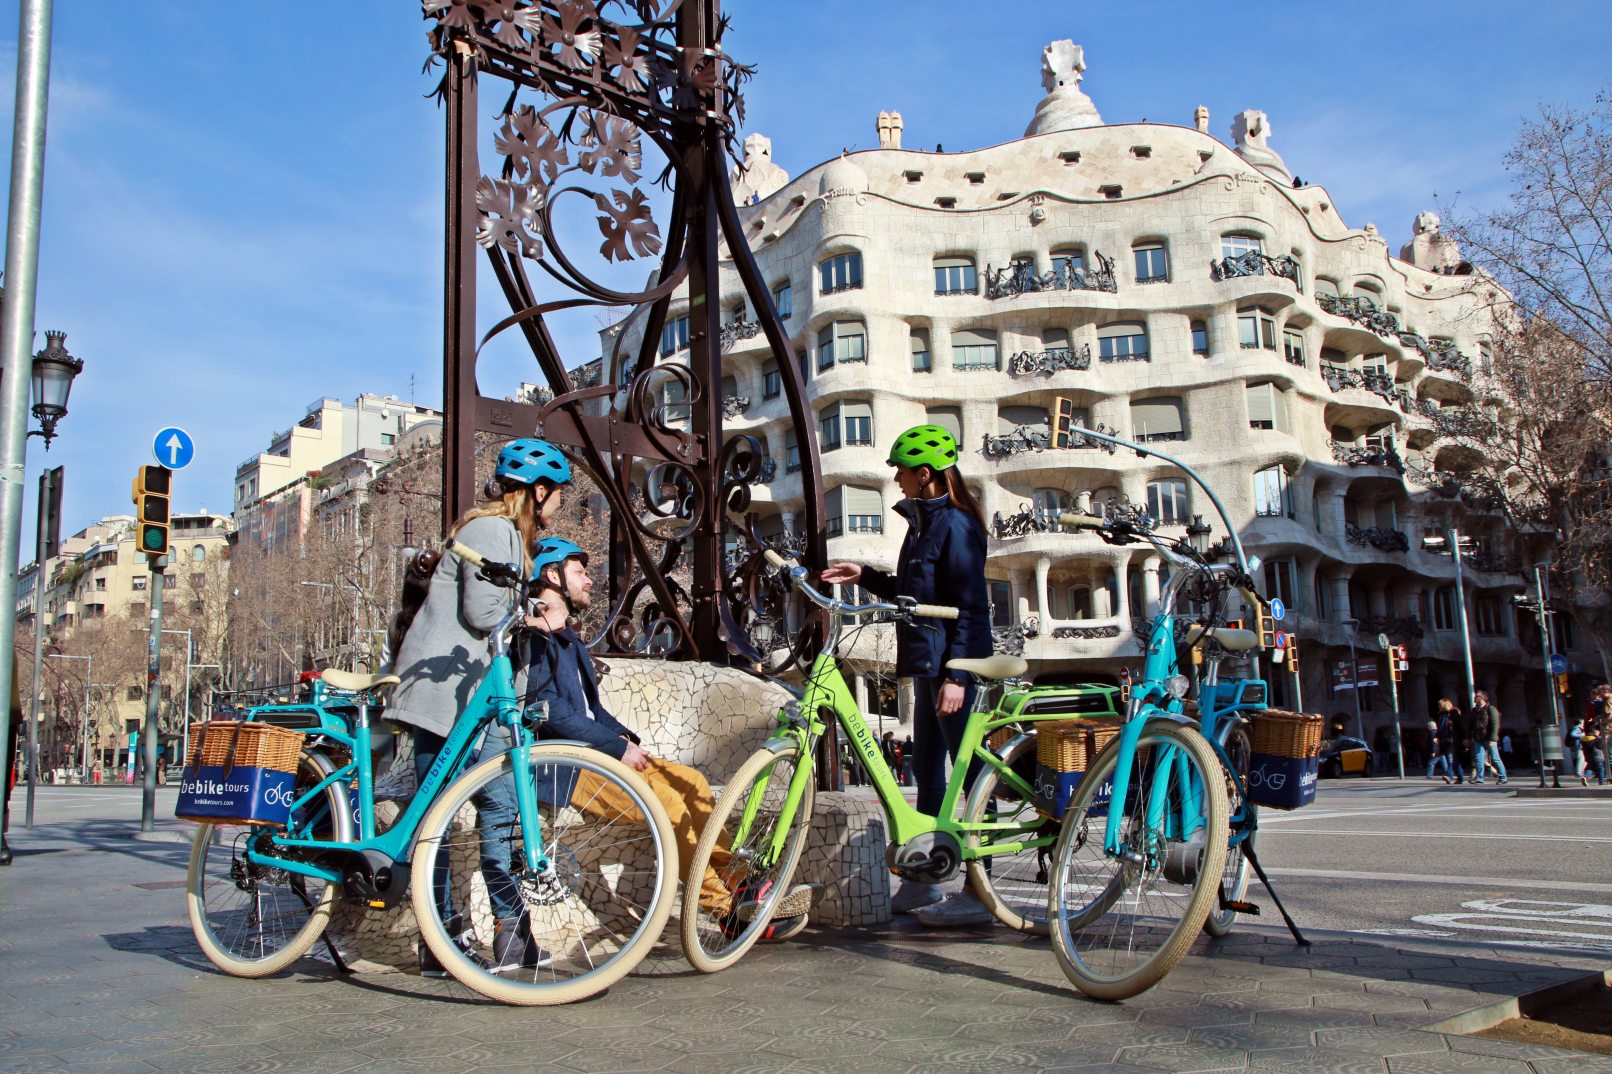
1250, 133
1065, 107
757, 176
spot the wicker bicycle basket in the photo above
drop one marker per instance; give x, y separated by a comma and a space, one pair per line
234, 744
999, 738
1288, 734
1070, 745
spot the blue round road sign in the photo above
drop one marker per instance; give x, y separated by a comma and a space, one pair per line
1278, 609
1558, 663
173, 448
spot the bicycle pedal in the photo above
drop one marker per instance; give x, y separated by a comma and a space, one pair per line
1242, 907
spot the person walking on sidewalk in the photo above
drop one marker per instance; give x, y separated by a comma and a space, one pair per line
1575, 748
942, 561
1486, 738
1442, 727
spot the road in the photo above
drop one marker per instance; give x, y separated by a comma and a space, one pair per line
1387, 857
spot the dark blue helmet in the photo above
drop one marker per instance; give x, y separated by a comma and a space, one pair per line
525, 460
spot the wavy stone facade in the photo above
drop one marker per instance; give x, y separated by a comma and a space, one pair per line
1156, 281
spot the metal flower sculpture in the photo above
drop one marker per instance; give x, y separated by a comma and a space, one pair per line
588, 87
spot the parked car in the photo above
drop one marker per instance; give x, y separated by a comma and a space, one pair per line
1345, 755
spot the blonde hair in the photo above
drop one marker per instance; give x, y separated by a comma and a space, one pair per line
517, 504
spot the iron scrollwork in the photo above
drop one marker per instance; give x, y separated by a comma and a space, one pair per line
1255, 263
588, 88
1382, 538
1021, 278
1022, 438
1363, 311
1080, 633
1370, 455
1022, 523
1052, 360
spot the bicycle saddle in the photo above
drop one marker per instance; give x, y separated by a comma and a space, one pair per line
354, 683
998, 666
1229, 638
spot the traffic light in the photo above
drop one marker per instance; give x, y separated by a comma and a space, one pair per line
1265, 626
152, 486
1293, 654
1393, 663
1561, 683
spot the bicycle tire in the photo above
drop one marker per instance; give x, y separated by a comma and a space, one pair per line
253, 920
1014, 887
1235, 877
598, 850
712, 941
1141, 921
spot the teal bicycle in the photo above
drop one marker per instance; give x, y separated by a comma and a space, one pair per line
1158, 838
759, 825
586, 854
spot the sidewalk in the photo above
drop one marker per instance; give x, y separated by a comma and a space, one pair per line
102, 977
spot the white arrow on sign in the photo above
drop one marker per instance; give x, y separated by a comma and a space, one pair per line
175, 446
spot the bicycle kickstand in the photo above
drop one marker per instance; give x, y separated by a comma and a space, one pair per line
1292, 926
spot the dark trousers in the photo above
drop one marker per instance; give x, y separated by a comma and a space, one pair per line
495, 820
934, 739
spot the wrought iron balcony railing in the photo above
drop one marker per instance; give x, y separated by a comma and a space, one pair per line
735, 331
1153, 438
1375, 381
1395, 626
1086, 633
1128, 356
1022, 438
1363, 311
1493, 562
1048, 362
1369, 455
735, 405
1381, 538
1021, 278
1451, 360
1254, 263
1022, 523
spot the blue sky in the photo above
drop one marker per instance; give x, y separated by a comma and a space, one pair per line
244, 215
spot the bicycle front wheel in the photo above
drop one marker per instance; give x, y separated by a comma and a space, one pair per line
1234, 878
1013, 886
751, 845
538, 937
1120, 922
252, 918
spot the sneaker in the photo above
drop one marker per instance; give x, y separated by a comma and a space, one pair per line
958, 908
795, 903
514, 949
429, 965
913, 895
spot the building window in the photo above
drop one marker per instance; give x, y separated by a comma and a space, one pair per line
1490, 616
842, 272
783, 302
974, 348
1158, 419
921, 362
1279, 582
1273, 497
1001, 602
1167, 501
1267, 407
842, 341
1200, 338
1069, 266
853, 509
1122, 342
674, 400
1324, 286
1050, 503
949, 418
135, 693
858, 418
1562, 631
828, 430
100, 583
1444, 609
955, 276
1236, 245
1293, 348
791, 453
1319, 589
772, 380
1152, 265
674, 337
198, 554
1256, 329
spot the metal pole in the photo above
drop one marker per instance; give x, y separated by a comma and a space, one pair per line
1558, 713
39, 644
1454, 537
190, 655
148, 733
1393, 688
17, 316
1354, 680
86, 745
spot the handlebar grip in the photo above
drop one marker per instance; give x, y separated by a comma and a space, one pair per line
771, 556
469, 555
935, 611
1070, 518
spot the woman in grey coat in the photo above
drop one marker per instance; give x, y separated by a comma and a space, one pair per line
444, 655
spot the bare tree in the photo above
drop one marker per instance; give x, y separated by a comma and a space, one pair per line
1541, 431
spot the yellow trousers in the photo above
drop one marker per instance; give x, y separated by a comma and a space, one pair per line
686, 796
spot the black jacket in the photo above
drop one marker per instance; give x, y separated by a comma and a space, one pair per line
942, 562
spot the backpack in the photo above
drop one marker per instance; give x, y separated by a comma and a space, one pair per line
417, 574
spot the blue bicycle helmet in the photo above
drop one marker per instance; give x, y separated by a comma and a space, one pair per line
554, 551
525, 460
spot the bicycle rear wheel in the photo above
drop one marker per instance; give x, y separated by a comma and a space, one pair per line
753, 843
1234, 879
252, 919
1012, 886
1120, 923
584, 923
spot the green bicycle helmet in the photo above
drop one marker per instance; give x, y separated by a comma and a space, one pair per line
925, 445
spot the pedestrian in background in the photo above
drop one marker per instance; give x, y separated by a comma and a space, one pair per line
1443, 725
887, 747
906, 761
1486, 738
1598, 718
1575, 749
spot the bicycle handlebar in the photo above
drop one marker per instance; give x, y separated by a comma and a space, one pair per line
503, 574
902, 606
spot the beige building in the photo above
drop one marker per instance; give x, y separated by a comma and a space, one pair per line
1152, 280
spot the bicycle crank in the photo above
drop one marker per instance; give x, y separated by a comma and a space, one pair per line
931, 858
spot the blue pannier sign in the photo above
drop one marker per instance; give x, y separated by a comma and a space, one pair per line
237, 795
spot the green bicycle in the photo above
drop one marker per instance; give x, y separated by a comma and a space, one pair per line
759, 826
583, 852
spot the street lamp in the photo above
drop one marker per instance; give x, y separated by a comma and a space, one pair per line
1452, 544
54, 370
1354, 678
1198, 534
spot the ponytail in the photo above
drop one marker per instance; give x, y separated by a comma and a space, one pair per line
957, 489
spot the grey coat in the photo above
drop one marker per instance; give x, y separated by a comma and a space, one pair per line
444, 655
